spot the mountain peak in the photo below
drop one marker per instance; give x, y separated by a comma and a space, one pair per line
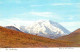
48, 22
46, 28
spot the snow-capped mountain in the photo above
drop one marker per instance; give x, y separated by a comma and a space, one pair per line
45, 28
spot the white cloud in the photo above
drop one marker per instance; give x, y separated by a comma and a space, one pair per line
43, 14
62, 4
59, 4
72, 26
74, 17
17, 22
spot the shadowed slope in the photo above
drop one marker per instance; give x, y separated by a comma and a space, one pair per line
73, 37
15, 39
13, 28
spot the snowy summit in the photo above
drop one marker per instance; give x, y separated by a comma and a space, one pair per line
46, 28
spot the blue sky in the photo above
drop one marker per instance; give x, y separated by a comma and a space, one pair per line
21, 12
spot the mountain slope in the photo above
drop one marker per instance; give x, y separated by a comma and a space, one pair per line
15, 39
73, 37
46, 28
13, 28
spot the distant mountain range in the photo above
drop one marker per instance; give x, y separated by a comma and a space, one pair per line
45, 28
10, 38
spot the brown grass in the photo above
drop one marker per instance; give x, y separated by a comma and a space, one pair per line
15, 39
73, 37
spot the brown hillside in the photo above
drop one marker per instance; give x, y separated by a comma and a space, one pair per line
73, 37
15, 39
